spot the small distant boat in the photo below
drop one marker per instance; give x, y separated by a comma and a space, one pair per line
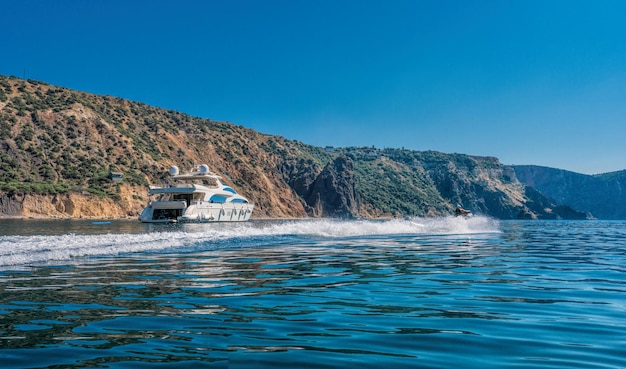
460, 212
196, 196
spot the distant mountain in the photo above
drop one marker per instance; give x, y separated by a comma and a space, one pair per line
59, 147
602, 195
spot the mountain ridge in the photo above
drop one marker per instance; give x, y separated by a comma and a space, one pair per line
600, 195
58, 148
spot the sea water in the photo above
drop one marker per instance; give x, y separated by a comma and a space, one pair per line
410, 293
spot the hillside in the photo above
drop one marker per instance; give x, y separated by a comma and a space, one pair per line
603, 195
58, 146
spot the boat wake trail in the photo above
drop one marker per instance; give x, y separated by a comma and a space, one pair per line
351, 228
34, 250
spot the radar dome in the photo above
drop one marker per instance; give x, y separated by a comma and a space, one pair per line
174, 170
204, 169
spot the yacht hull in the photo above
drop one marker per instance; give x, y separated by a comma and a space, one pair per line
156, 212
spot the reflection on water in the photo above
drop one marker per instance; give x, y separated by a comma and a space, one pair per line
532, 294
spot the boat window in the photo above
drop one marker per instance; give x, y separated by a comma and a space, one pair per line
239, 200
229, 190
217, 198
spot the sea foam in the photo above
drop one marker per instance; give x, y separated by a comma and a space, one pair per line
29, 250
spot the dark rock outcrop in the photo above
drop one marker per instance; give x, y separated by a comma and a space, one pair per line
300, 175
332, 193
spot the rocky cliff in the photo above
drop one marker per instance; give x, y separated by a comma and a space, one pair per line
602, 196
333, 192
58, 148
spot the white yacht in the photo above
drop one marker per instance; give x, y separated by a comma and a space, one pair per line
196, 196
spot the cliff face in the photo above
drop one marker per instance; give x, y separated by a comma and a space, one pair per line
332, 193
70, 204
58, 146
603, 196
12, 204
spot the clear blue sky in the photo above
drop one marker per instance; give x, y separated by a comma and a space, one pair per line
530, 82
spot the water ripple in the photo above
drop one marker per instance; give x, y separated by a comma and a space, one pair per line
532, 294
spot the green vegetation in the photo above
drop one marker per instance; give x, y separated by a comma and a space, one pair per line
34, 187
54, 140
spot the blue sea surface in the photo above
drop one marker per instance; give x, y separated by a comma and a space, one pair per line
409, 293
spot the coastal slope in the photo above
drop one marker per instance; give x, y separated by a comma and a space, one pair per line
60, 150
602, 195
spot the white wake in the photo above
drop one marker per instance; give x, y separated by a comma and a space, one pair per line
28, 250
